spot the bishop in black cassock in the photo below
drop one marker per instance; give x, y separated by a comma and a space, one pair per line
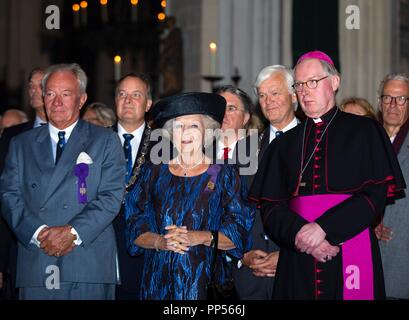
326, 180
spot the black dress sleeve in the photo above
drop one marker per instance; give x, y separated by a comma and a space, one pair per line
280, 223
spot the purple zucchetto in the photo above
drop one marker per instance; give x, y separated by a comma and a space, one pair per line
316, 55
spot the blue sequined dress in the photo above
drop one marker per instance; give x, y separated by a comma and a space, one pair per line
159, 199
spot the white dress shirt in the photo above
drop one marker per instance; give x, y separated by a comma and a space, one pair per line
220, 149
273, 130
54, 140
136, 140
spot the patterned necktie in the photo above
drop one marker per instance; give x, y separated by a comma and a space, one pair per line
226, 153
278, 133
60, 145
128, 154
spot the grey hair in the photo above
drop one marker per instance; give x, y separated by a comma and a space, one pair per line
267, 72
74, 68
210, 125
103, 113
23, 116
329, 68
139, 76
392, 76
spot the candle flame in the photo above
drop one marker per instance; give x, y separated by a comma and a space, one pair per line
117, 59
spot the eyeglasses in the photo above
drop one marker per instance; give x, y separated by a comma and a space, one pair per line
400, 101
312, 84
133, 95
232, 109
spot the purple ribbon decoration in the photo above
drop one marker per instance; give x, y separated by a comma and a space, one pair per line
81, 171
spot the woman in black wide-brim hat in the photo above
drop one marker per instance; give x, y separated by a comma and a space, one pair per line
174, 207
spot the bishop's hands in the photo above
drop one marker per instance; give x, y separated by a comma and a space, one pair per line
57, 241
311, 240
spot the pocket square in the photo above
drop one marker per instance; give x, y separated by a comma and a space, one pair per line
83, 157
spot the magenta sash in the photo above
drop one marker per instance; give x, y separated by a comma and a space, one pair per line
356, 253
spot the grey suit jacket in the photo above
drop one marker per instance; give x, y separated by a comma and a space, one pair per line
35, 192
395, 253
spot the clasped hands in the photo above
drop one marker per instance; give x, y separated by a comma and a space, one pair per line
56, 241
262, 264
179, 239
311, 240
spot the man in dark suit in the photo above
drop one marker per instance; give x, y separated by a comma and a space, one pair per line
254, 273
132, 100
61, 187
8, 242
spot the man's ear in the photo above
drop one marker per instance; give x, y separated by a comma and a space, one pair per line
246, 119
294, 98
148, 105
83, 98
335, 82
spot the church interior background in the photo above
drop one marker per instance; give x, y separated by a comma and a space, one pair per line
197, 45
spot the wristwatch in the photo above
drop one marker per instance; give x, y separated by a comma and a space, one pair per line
211, 239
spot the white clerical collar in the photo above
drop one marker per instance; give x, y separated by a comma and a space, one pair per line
317, 120
54, 131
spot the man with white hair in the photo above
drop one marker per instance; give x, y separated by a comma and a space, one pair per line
393, 231
61, 188
254, 276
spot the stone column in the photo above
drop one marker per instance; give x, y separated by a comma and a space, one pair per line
366, 54
251, 37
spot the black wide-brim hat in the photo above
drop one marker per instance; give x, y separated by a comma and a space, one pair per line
210, 104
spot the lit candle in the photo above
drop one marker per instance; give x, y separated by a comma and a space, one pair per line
213, 55
134, 10
117, 67
164, 5
104, 10
84, 14
76, 9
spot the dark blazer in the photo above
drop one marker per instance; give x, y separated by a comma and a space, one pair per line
34, 191
8, 242
130, 267
250, 287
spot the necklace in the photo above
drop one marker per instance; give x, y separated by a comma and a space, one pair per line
141, 159
303, 167
186, 169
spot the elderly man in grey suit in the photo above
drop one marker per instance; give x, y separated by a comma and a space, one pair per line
393, 232
60, 190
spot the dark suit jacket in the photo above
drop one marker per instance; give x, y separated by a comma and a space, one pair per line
7, 239
249, 286
130, 267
